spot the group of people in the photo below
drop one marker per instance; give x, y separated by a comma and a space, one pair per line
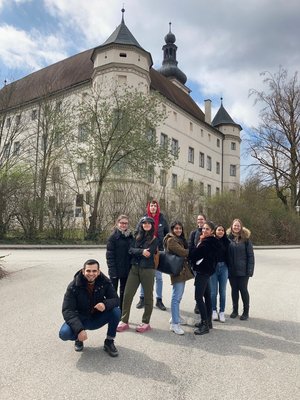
211, 255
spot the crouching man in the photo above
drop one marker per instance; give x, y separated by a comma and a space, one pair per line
90, 302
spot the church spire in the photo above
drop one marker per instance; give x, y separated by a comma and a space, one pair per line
169, 65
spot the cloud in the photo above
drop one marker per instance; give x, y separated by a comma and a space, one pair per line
30, 51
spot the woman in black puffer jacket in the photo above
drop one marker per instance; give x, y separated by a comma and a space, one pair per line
117, 255
240, 265
204, 263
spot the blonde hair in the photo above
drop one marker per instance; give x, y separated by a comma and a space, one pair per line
241, 233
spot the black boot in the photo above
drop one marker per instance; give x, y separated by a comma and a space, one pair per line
160, 304
203, 328
110, 348
234, 313
245, 314
141, 303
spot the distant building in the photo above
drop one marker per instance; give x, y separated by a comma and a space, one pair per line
209, 149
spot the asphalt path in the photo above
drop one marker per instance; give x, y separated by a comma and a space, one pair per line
255, 359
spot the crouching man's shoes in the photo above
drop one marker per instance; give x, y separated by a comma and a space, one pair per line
110, 348
78, 346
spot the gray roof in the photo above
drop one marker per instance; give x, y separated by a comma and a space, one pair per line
122, 35
223, 118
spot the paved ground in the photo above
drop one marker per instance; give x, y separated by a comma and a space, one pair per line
257, 359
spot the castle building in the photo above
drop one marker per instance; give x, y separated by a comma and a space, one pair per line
208, 149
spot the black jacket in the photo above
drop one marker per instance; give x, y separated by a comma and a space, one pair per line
222, 255
77, 305
117, 256
137, 249
194, 238
241, 256
206, 251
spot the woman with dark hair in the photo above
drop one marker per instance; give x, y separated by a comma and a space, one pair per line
117, 254
175, 243
204, 262
241, 266
142, 272
218, 281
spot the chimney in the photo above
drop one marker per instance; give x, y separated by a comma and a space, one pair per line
207, 109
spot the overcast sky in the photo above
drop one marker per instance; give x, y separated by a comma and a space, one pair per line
223, 45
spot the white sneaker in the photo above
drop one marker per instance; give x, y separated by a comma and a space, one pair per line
222, 317
182, 321
176, 328
215, 315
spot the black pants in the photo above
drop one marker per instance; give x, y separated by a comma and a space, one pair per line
115, 282
239, 284
203, 296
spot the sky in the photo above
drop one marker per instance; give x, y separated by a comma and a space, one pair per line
223, 45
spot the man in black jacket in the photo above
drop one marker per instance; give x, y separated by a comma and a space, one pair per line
90, 302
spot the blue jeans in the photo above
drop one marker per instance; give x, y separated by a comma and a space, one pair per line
219, 281
177, 293
111, 317
158, 285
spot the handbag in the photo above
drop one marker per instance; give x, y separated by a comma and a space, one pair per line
170, 263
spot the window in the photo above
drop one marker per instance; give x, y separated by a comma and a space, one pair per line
33, 114
201, 188
164, 140
18, 119
6, 150
209, 137
55, 174
233, 146
208, 190
122, 79
208, 163
82, 133
232, 170
81, 171
8, 122
174, 147
190, 184
218, 168
218, 142
217, 191
163, 177
150, 174
151, 135
201, 160
174, 181
191, 155
79, 200
191, 127
58, 106
17, 147
118, 196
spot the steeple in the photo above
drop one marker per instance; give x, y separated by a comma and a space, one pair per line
223, 118
169, 65
122, 35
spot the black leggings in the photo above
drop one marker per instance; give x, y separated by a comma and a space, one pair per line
202, 290
115, 282
239, 284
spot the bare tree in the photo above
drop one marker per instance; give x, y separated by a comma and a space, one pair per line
275, 143
119, 126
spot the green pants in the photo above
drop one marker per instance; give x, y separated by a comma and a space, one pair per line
136, 277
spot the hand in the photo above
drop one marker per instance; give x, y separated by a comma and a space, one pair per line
100, 307
82, 336
146, 253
